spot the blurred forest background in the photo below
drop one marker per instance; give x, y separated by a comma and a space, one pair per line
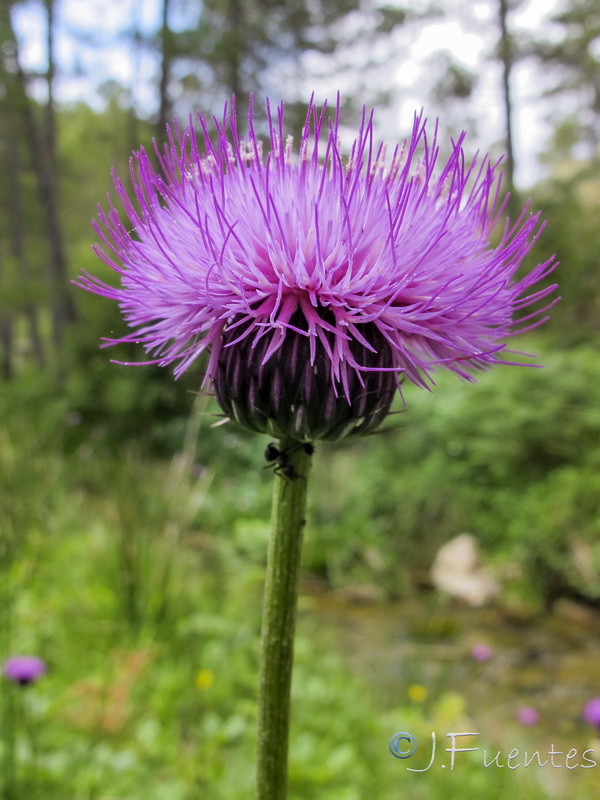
133, 534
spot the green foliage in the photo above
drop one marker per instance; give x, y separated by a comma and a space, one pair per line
573, 55
90, 145
512, 459
570, 204
139, 582
111, 403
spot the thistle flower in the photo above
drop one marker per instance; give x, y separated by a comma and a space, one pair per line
24, 669
527, 715
481, 652
315, 283
591, 712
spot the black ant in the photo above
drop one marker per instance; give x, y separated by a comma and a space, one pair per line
280, 459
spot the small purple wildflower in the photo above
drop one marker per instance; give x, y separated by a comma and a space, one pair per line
527, 715
312, 281
24, 669
591, 712
481, 652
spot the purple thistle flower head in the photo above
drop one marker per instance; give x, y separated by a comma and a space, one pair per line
317, 283
591, 712
24, 669
481, 652
527, 715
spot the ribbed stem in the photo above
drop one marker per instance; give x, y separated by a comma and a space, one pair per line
279, 619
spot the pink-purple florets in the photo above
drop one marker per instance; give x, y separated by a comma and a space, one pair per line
227, 235
24, 669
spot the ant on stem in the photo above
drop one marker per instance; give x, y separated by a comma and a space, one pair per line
280, 459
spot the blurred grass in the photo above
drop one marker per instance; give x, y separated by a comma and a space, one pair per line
132, 543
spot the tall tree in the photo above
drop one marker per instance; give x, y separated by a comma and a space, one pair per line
37, 139
50, 113
235, 22
260, 46
572, 56
19, 283
166, 59
19, 279
505, 52
6, 328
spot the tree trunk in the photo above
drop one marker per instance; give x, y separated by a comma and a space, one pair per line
6, 348
506, 57
16, 235
166, 49
235, 48
50, 131
63, 306
6, 336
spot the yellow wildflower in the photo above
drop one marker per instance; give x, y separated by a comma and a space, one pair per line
205, 679
417, 693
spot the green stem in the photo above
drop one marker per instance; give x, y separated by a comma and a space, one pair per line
279, 621
9, 776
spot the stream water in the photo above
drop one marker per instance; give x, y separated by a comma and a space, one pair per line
550, 663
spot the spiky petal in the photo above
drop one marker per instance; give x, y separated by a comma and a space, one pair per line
231, 245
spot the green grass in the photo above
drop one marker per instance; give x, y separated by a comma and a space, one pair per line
138, 578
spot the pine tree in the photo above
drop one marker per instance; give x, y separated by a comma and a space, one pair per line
573, 57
